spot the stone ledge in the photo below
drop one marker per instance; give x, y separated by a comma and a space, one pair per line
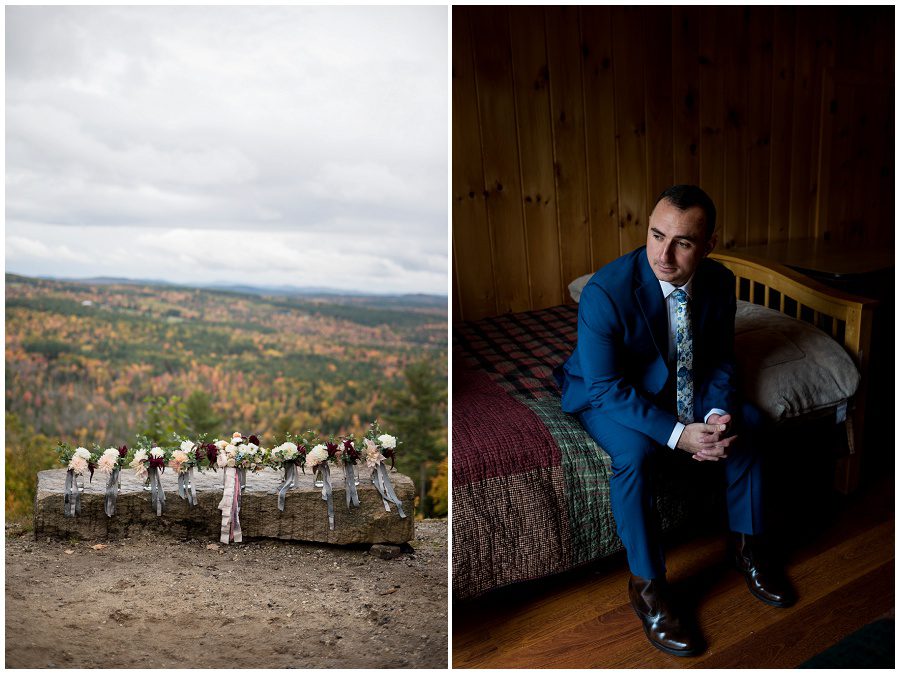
305, 516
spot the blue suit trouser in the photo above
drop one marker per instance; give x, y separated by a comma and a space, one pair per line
632, 492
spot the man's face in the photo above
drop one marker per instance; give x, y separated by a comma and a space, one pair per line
676, 242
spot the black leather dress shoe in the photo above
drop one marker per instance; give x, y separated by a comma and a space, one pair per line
649, 599
766, 583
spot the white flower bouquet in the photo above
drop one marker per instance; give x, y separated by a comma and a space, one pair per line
183, 460
288, 455
111, 463
150, 463
236, 456
380, 447
78, 462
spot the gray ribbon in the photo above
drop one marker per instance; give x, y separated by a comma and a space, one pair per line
242, 475
230, 505
290, 472
186, 488
382, 482
350, 485
112, 490
157, 495
326, 492
71, 497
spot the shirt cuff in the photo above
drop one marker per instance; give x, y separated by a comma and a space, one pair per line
714, 410
676, 435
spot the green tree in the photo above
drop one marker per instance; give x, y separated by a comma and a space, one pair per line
438, 491
419, 421
165, 416
200, 418
27, 453
283, 425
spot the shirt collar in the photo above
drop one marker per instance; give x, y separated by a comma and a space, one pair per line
668, 288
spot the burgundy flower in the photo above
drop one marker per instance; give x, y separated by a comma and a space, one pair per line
350, 451
389, 453
332, 449
212, 453
157, 463
302, 450
123, 450
254, 440
91, 467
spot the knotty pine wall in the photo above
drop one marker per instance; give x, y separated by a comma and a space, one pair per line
568, 121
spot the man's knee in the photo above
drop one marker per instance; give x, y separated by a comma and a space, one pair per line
629, 449
636, 456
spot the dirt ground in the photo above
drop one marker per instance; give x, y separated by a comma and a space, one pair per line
150, 602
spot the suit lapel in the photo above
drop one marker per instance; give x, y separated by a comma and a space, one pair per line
650, 299
700, 305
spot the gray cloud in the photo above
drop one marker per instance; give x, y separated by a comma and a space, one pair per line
327, 123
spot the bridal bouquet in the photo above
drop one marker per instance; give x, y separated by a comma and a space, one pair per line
379, 447
287, 455
319, 458
77, 461
206, 455
241, 452
183, 461
236, 456
111, 463
349, 456
149, 464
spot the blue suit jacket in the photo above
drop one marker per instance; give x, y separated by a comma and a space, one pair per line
619, 364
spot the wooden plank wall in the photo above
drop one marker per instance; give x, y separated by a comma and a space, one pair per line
568, 121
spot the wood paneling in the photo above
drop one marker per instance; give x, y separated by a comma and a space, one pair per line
631, 125
473, 273
686, 94
500, 155
567, 114
567, 122
600, 135
532, 89
779, 201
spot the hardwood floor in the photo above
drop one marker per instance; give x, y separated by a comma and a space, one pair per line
842, 568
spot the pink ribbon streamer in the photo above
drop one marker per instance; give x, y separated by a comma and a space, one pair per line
230, 505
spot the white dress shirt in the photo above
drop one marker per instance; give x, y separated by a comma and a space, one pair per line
672, 306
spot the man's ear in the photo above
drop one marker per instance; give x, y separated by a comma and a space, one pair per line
710, 244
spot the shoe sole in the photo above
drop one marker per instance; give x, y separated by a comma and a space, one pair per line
666, 649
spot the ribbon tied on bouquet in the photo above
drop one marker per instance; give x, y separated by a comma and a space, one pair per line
186, 488
71, 496
382, 482
230, 505
157, 493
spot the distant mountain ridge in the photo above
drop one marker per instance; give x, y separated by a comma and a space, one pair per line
416, 299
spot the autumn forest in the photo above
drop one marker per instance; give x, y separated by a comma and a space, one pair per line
93, 362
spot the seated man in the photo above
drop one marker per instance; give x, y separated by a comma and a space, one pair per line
653, 371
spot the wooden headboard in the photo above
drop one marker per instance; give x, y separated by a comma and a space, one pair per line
847, 318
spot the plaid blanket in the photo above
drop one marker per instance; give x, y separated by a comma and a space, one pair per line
530, 486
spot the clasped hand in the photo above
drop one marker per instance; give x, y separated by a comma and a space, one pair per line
709, 441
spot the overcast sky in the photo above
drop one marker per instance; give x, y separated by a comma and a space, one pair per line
284, 145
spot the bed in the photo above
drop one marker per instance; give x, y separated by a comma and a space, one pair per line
531, 488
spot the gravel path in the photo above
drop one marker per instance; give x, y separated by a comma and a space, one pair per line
155, 602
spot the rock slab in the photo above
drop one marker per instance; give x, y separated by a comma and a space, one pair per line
305, 515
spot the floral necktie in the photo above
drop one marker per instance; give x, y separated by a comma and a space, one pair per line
684, 343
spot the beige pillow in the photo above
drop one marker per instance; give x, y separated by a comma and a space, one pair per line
576, 286
789, 368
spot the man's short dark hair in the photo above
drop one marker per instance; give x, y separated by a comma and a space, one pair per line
684, 197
